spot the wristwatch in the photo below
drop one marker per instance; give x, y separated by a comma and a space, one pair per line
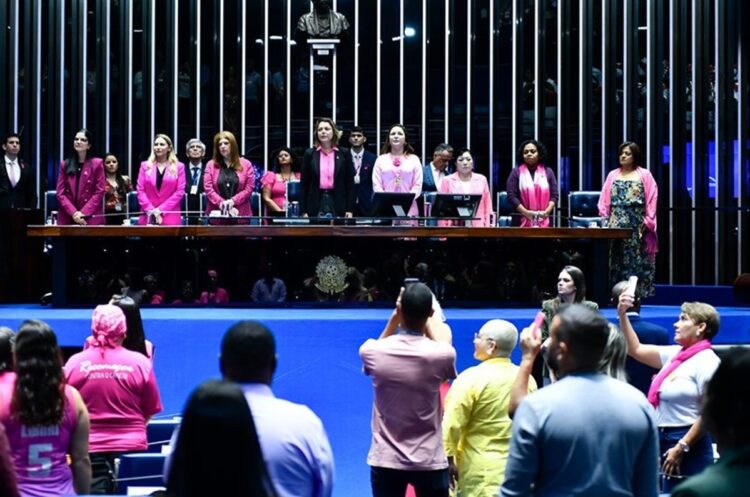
683, 445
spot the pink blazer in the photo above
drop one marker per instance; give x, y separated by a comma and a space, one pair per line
85, 195
168, 200
245, 189
452, 184
650, 191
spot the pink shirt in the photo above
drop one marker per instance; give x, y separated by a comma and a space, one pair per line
8, 378
120, 391
407, 371
477, 185
327, 167
277, 186
404, 177
39, 452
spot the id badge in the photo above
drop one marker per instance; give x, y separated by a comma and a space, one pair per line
194, 190
118, 207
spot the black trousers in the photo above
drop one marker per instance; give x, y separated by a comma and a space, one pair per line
388, 482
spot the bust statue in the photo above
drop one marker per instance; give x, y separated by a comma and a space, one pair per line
322, 22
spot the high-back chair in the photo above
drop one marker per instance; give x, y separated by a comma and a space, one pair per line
583, 209
504, 210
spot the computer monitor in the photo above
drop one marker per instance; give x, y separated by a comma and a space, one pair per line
390, 204
455, 205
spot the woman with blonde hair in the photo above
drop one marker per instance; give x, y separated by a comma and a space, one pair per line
229, 179
161, 185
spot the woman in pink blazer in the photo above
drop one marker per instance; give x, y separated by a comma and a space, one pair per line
81, 185
229, 179
466, 181
161, 185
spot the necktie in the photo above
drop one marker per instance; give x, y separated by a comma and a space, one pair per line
13, 174
195, 174
357, 162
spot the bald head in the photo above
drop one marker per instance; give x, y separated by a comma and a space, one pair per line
503, 333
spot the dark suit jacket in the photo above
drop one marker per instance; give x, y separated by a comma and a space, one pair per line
640, 375
428, 181
193, 201
343, 183
23, 195
364, 188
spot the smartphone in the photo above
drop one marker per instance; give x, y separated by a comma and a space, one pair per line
632, 284
410, 281
536, 326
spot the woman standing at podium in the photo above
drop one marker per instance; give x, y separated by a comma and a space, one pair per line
628, 200
285, 169
80, 185
398, 169
327, 179
532, 186
229, 179
465, 181
161, 185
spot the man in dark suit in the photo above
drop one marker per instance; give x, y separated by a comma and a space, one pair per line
640, 375
364, 161
17, 179
196, 151
440, 167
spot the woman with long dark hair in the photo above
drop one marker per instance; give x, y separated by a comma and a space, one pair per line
217, 450
397, 168
7, 375
135, 337
45, 419
116, 190
80, 185
285, 169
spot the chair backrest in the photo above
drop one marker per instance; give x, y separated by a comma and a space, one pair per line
504, 210
139, 470
50, 202
256, 204
159, 433
293, 191
583, 209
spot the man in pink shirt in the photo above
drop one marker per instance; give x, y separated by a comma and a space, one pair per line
407, 366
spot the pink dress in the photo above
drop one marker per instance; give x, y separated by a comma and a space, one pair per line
120, 391
398, 174
39, 453
477, 186
276, 183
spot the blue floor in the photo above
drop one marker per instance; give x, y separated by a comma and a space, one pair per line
318, 361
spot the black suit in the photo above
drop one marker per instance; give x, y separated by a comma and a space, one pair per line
193, 200
343, 183
364, 188
23, 195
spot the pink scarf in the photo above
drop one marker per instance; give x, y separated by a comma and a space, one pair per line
534, 192
107, 327
682, 356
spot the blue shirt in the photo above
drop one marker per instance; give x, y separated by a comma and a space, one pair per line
262, 293
586, 435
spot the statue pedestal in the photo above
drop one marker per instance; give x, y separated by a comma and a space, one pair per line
320, 50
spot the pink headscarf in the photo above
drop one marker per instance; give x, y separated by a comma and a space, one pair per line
107, 327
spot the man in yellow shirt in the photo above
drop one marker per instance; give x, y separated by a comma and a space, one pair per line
476, 426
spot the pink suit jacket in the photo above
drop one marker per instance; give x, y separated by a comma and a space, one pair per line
168, 200
452, 184
244, 190
85, 195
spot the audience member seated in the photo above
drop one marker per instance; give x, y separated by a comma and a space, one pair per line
120, 390
676, 391
45, 419
269, 289
639, 374
116, 191
285, 169
135, 337
476, 426
466, 181
217, 450
155, 294
213, 294
726, 409
532, 186
186, 294
586, 434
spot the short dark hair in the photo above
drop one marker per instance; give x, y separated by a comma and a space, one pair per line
726, 407
443, 147
357, 129
585, 331
416, 306
248, 352
12, 135
635, 149
540, 148
275, 159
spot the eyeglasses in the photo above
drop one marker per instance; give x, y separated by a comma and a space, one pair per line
480, 337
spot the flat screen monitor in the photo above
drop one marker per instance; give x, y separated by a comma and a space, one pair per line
389, 204
455, 205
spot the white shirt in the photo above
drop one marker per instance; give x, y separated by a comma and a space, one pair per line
437, 175
13, 170
680, 394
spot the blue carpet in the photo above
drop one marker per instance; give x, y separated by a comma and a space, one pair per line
318, 358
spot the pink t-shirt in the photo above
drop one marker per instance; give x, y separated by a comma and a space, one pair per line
275, 182
407, 371
39, 452
120, 391
404, 177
